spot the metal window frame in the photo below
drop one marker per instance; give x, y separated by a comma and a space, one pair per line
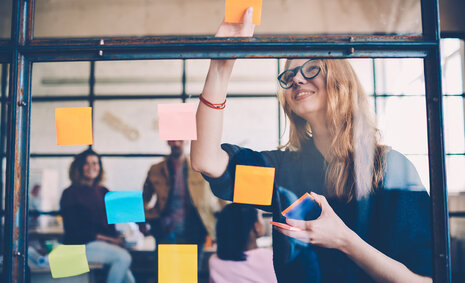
22, 50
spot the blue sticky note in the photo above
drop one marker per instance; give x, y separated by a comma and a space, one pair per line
124, 207
305, 208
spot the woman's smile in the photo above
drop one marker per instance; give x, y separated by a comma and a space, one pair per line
302, 94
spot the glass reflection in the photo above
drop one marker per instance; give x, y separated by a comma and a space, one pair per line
373, 172
86, 18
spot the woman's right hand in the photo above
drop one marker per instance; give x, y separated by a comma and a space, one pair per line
244, 29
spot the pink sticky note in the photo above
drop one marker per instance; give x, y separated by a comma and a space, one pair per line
177, 121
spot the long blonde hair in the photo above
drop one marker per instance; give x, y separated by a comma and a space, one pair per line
355, 161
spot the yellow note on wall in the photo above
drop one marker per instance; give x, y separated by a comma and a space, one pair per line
177, 263
253, 185
68, 260
234, 10
74, 125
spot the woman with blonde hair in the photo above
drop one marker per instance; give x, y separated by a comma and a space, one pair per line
375, 219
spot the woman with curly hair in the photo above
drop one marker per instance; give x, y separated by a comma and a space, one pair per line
82, 207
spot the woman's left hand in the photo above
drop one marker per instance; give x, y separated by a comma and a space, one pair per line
327, 231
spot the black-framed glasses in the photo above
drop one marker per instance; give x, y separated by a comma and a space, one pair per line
309, 70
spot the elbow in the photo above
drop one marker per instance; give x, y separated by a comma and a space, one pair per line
212, 165
204, 169
201, 168
197, 166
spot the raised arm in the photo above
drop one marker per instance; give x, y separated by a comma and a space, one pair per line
206, 153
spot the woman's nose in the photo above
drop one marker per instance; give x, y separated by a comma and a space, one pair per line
298, 79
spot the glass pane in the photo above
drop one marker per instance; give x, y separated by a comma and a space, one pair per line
43, 128
251, 122
5, 18
60, 79
128, 126
138, 77
251, 76
85, 18
421, 163
364, 70
136, 172
454, 168
402, 121
399, 77
454, 131
451, 59
48, 177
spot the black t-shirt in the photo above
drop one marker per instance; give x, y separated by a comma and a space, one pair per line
395, 219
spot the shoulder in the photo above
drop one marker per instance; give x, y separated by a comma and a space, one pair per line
158, 166
261, 253
400, 173
68, 192
103, 189
213, 260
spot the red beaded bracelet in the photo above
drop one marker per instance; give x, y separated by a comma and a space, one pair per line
217, 106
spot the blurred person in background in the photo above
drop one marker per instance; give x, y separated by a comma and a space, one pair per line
238, 258
179, 205
82, 207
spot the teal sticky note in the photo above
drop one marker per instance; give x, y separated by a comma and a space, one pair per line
124, 207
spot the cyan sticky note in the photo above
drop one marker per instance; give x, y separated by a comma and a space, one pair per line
68, 260
305, 208
124, 207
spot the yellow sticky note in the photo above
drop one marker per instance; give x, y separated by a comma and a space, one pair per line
177, 263
234, 10
68, 260
74, 125
253, 185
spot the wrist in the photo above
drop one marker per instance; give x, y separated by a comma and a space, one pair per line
349, 241
222, 68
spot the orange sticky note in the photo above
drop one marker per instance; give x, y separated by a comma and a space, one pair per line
74, 125
234, 10
177, 263
177, 121
253, 185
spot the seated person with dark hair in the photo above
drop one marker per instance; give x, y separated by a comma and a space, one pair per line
84, 218
238, 257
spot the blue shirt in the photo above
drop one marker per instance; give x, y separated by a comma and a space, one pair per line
395, 218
